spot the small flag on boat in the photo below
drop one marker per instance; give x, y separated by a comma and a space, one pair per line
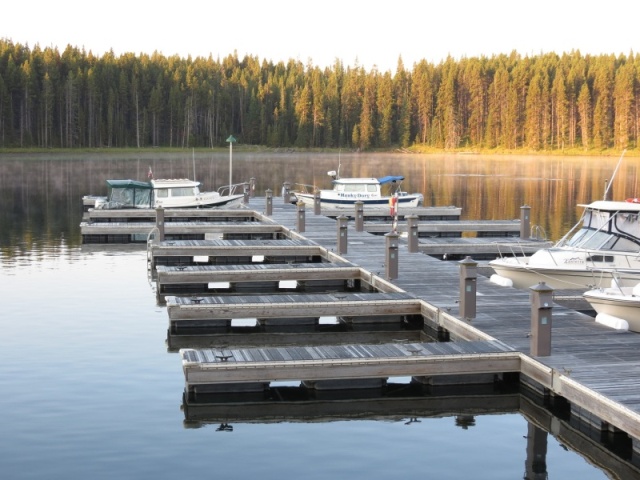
150, 174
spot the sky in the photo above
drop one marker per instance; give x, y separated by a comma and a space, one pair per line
367, 33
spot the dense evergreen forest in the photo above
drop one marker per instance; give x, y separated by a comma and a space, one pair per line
547, 102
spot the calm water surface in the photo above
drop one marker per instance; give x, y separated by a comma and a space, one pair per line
89, 389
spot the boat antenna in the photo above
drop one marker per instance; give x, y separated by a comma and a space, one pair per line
339, 150
606, 192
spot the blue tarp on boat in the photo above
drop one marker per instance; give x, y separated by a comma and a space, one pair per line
390, 178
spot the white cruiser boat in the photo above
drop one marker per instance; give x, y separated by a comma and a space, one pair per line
617, 307
605, 244
372, 192
165, 193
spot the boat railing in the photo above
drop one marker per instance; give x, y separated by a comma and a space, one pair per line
304, 188
228, 190
516, 250
513, 250
538, 233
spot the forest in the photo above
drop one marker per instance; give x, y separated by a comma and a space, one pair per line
545, 102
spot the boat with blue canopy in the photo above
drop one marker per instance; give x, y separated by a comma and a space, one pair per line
372, 192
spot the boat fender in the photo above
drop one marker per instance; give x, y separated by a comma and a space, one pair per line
612, 322
500, 280
393, 205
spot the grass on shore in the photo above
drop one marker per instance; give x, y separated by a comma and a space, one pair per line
416, 149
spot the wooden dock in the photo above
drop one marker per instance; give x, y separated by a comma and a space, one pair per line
198, 278
293, 310
186, 252
439, 228
122, 226
596, 369
206, 368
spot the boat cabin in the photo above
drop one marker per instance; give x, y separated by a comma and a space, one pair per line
129, 194
364, 187
165, 189
608, 225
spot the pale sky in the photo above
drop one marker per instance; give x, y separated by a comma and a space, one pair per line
362, 32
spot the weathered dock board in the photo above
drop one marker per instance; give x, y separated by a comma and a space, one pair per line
210, 367
381, 214
498, 228
594, 367
478, 247
134, 225
182, 252
207, 308
100, 232
249, 273
136, 215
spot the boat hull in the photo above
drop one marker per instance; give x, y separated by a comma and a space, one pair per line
616, 303
217, 202
232, 201
523, 275
407, 201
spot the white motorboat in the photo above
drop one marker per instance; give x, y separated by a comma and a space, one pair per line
617, 307
165, 193
372, 192
605, 244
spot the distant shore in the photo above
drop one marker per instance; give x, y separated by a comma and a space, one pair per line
569, 152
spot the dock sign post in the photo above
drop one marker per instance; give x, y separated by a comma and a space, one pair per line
541, 304
300, 224
359, 216
269, 200
342, 234
525, 222
391, 263
468, 288
412, 227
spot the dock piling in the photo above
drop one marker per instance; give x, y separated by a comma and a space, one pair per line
286, 192
359, 216
525, 222
342, 234
541, 298
468, 288
269, 200
317, 207
300, 224
160, 223
391, 250
412, 227
246, 191
252, 187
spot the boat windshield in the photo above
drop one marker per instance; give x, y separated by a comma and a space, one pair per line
591, 239
175, 192
183, 192
608, 230
356, 187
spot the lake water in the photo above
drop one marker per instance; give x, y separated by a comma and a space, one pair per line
90, 390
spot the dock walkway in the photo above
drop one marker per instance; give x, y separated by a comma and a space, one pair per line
593, 366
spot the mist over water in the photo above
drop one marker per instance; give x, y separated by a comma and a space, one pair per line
90, 389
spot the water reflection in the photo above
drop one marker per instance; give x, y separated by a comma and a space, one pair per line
41, 195
86, 361
412, 403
